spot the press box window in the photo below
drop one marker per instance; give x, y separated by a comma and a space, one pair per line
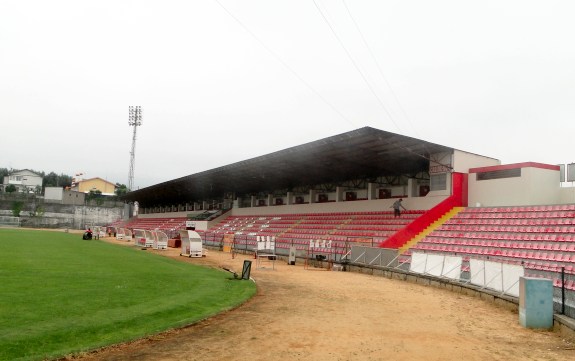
438, 182
499, 174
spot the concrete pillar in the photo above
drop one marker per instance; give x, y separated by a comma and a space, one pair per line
237, 202
270, 201
411, 183
339, 194
127, 214
253, 201
289, 198
312, 193
371, 191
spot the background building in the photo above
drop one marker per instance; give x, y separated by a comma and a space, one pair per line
24, 180
95, 184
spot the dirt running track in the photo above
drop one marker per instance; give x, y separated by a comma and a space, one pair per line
318, 315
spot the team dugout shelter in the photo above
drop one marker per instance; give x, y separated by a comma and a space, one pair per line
363, 170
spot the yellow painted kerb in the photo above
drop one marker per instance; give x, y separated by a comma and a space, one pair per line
432, 227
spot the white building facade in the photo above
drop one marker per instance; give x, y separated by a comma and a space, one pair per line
25, 181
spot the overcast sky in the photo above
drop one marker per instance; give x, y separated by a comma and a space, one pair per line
222, 81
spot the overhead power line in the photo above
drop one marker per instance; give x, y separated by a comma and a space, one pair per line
289, 68
278, 58
379, 67
355, 65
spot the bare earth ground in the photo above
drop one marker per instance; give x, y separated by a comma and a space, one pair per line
314, 314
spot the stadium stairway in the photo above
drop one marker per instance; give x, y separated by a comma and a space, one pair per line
411, 230
432, 227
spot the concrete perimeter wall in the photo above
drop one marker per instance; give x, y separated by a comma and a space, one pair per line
53, 215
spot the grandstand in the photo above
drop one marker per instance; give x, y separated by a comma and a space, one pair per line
340, 190
171, 226
297, 230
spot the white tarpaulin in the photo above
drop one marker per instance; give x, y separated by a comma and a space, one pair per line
477, 272
497, 276
511, 274
417, 264
493, 276
434, 264
452, 267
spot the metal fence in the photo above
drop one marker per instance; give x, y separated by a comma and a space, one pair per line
8, 221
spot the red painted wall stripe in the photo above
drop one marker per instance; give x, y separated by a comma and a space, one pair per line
514, 166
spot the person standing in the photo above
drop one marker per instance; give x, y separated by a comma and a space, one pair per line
397, 207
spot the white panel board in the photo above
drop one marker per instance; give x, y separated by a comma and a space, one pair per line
434, 265
570, 172
452, 267
477, 272
418, 261
511, 274
357, 252
493, 277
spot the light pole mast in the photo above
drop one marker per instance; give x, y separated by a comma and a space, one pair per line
134, 120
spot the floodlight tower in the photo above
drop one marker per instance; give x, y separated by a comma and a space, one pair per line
134, 120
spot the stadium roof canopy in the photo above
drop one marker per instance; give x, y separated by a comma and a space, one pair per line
365, 153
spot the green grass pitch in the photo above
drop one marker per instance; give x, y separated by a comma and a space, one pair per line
61, 295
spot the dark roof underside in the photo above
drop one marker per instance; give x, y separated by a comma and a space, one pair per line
364, 153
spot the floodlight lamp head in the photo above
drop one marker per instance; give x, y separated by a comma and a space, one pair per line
135, 115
